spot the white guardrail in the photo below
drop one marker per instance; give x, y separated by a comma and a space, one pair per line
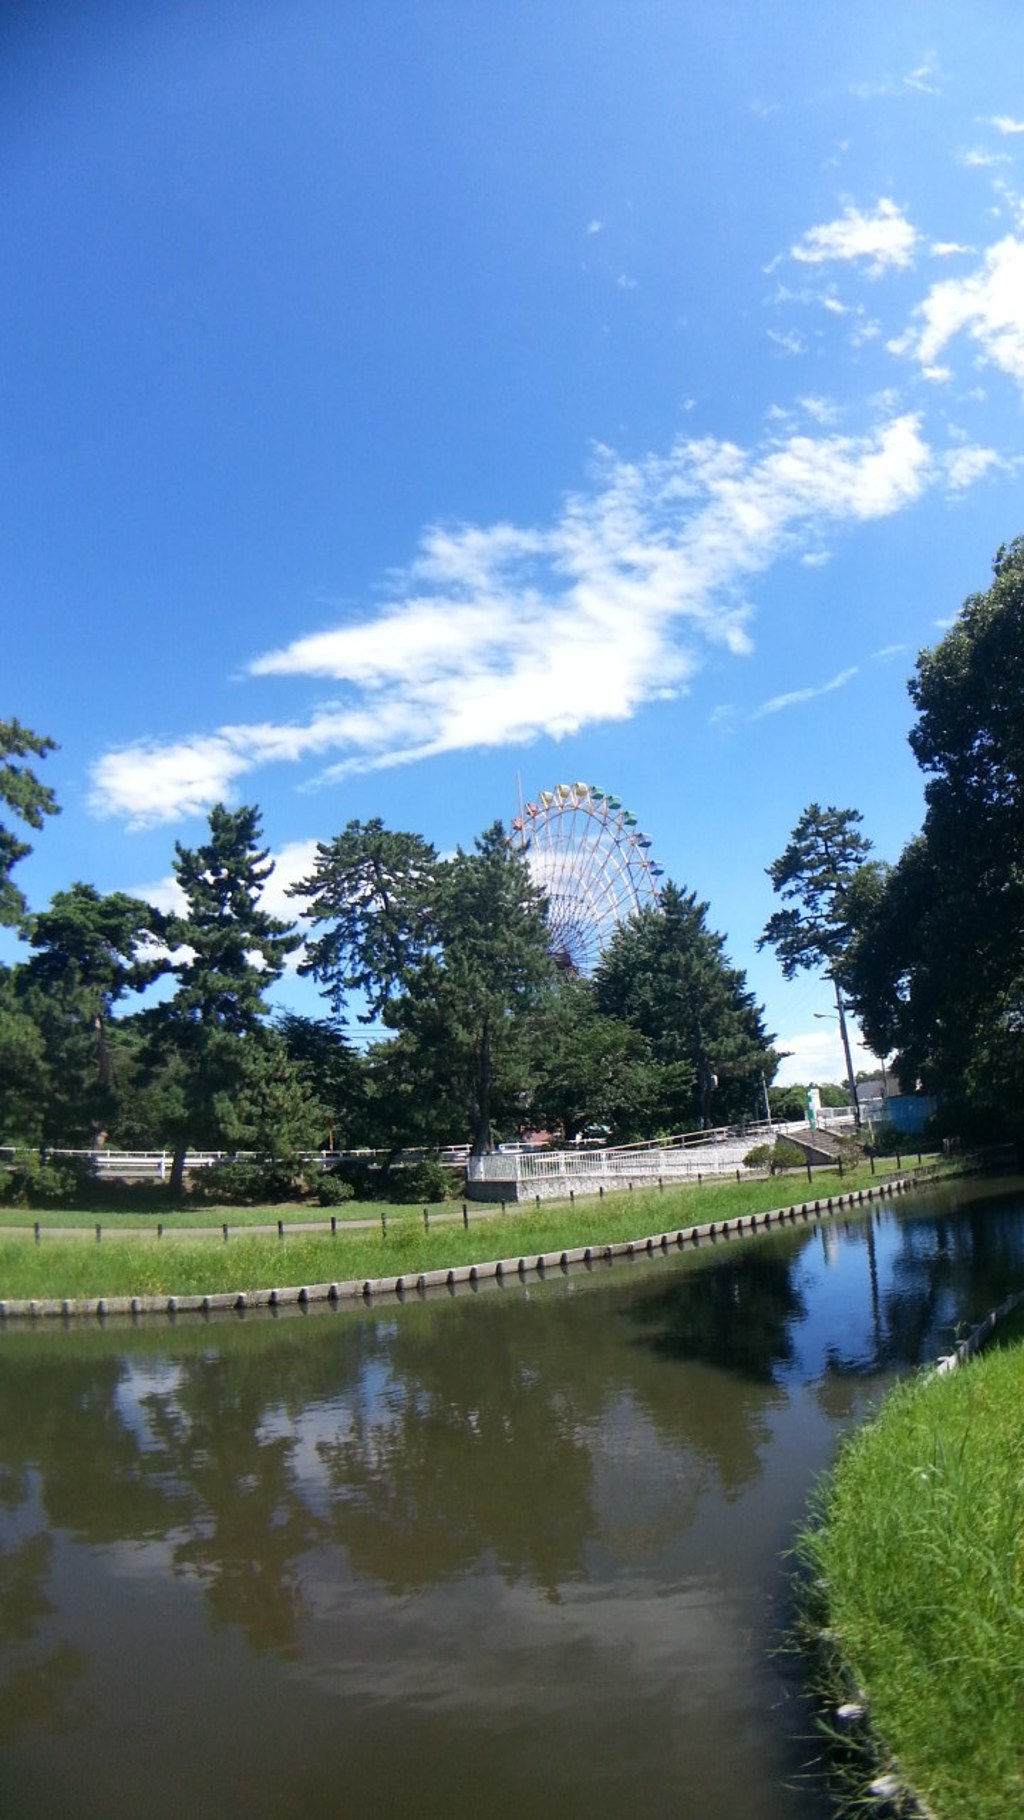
685, 1155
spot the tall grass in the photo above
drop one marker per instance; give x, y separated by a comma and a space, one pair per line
918, 1557
130, 1262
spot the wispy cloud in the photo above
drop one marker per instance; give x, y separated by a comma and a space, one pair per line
1003, 123
882, 239
926, 77
498, 634
976, 158
988, 305
795, 698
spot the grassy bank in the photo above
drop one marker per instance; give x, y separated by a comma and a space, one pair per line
917, 1566
132, 1262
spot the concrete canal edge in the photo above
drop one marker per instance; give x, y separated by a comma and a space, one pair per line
461, 1277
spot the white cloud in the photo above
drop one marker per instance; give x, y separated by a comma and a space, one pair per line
945, 249
885, 238
988, 305
822, 410
965, 466
499, 634
817, 1055
978, 160
791, 342
927, 77
796, 697
1004, 124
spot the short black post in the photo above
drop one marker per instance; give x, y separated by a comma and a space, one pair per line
919, 1156
871, 1160
840, 1161
334, 1224
738, 1178
572, 1197
280, 1229
224, 1229
700, 1179
99, 1234
384, 1220
159, 1229
465, 1215
661, 1185
35, 1228
600, 1191
537, 1200
426, 1220
808, 1168
503, 1207
899, 1160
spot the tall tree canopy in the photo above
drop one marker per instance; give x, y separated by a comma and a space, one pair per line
463, 1012
938, 966
370, 897
30, 801
666, 973
450, 954
222, 1070
823, 875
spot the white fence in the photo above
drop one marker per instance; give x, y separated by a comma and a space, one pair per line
554, 1174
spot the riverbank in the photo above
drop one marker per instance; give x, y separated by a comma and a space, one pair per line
64, 1273
914, 1583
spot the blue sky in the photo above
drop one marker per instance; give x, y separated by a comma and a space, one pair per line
397, 398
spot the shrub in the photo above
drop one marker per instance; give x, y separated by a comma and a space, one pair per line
332, 1189
361, 1173
55, 1181
418, 1183
758, 1158
245, 1184
780, 1155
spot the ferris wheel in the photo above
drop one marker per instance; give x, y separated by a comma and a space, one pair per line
587, 855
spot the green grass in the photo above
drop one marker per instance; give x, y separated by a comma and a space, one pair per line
130, 1261
919, 1561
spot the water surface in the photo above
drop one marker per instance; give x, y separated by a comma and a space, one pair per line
513, 1553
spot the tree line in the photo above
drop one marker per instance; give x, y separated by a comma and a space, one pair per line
152, 1028
149, 1028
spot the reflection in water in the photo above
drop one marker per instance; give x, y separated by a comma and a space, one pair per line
518, 1551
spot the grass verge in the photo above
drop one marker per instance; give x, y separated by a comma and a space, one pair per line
139, 1263
915, 1588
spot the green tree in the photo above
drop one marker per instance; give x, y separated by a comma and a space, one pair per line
216, 1060
590, 1069
24, 1075
666, 973
88, 952
826, 857
938, 966
333, 1076
30, 801
449, 954
466, 1006
370, 895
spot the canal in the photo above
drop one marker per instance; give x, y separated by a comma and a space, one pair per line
512, 1552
